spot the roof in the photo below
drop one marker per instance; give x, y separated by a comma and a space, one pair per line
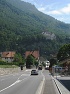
34, 53
8, 54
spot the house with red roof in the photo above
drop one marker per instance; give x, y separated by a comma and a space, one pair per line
33, 53
8, 56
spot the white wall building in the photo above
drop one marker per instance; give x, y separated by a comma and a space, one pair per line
8, 56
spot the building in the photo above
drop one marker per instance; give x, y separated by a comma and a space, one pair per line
8, 56
33, 53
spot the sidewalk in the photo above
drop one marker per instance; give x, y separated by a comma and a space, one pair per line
49, 86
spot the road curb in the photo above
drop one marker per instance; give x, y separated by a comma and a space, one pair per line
57, 87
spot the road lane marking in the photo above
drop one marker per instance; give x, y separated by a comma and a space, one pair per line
22, 75
41, 86
3, 78
18, 81
10, 85
16, 75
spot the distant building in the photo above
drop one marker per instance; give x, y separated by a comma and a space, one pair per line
49, 35
33, 53
8, 56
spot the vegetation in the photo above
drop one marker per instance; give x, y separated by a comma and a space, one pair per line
21, 27
53, 62
2, 63
36, 63
31, 61
18, 58
64, 52
8, 66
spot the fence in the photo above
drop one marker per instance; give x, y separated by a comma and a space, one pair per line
62, 71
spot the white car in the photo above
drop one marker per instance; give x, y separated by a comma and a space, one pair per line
47, 68
34, 72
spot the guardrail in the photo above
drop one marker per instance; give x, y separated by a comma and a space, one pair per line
60, 87
62, 71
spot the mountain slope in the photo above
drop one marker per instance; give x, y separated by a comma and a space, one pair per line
28, 19
22, 27
46, 21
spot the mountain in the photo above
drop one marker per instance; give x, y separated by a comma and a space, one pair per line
23, 27
44, 20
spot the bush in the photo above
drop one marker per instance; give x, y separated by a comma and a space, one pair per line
7, 63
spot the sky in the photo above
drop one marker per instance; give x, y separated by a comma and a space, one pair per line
59, 9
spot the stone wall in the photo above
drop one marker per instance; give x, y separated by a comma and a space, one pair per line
6, 71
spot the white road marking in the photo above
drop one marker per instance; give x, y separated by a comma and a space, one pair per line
13, 84
41, 86
10, 85
6, 77
16, 82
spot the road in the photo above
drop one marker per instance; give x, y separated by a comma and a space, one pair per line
20, 83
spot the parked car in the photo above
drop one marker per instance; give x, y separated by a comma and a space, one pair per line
34, 72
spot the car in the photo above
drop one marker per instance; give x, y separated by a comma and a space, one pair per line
34, 72
47, 68
40, 67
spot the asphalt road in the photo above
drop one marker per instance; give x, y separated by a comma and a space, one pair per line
50, 87
20, 83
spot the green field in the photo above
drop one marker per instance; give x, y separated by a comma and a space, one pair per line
8, 66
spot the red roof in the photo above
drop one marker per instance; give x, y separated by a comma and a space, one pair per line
34, 53
8, 54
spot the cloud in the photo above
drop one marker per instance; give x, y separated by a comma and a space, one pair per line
65, 19
51, 11
54, 12
64, 10
42, 9
62, 14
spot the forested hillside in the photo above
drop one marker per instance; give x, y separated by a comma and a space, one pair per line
23, 27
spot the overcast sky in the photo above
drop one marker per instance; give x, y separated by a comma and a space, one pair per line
59, 9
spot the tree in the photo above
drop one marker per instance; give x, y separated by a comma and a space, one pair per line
52, 62
64, 52
36, 63
29, 61
18, 58
44, 64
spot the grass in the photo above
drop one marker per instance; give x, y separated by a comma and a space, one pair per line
8, 66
